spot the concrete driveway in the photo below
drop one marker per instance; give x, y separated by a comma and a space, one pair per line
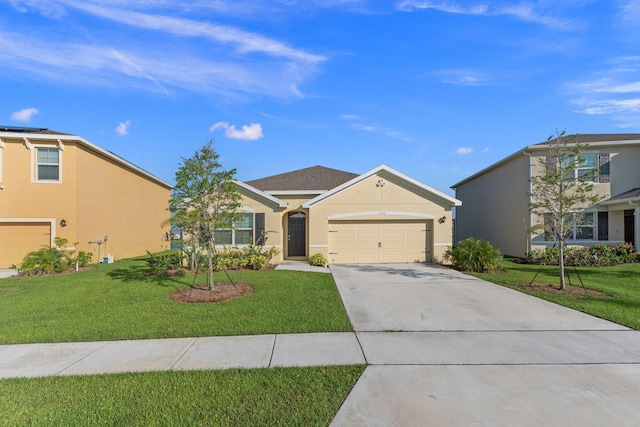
467, 352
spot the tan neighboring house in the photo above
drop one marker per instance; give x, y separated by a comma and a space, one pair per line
496, 199
376, 217
55, 184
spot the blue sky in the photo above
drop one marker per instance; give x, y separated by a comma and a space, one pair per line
435, 89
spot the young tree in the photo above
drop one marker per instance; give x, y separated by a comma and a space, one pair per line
560, 194
204, 198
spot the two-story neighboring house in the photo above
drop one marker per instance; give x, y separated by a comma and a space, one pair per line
55, 184
496, 199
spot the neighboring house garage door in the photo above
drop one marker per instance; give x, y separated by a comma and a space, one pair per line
18, 239
379, 241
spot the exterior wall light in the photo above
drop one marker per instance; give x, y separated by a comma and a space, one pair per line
442, 220
63, 223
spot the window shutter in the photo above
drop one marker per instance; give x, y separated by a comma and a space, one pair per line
603, 225
552, 163
604, 167
259, 237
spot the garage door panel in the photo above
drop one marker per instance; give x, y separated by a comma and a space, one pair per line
378, 242
18, 239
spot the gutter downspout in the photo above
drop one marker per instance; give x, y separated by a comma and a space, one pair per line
528, 244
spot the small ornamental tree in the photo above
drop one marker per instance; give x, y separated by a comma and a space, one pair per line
560, 194
204, 198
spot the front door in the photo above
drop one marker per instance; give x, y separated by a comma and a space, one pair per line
297, 234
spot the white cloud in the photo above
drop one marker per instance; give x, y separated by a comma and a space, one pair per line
123, 128
250, 132
524, 11
24, 115
461, 77
219, 125
206, 57
464, 150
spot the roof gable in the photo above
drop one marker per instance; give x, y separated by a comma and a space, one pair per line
315, 179
410, 182
262, 194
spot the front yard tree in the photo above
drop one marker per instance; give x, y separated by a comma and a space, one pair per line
562, 192
204, 198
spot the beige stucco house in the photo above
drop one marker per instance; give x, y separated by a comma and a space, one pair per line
55, 184
378, 216
496, 199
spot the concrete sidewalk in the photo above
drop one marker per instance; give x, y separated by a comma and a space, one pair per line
252, 351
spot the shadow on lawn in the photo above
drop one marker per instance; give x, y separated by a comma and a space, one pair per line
140, 274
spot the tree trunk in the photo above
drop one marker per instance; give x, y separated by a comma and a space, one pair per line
210, 266
561, 263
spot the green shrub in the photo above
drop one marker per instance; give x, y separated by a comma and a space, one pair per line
84, 258
600, 255
318, 260
159, 265
476, 256
45, 261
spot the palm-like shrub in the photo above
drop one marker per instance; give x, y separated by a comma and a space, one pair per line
45, 261
476, 256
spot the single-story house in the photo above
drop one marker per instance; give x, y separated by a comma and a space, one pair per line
379, 216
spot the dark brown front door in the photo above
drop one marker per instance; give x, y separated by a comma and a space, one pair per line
297, 234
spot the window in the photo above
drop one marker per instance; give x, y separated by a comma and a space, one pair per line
586, 168
47, 164
578, 227
240, 234
603, 225
584, 227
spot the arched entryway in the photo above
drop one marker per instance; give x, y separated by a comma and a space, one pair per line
297, 235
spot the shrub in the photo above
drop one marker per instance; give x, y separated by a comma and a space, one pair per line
84, 258
600, 255
319, 260
159, 265
476, 256
45, 261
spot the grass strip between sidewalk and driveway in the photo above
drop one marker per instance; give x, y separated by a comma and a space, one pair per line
235, 397
620, 282
120, 301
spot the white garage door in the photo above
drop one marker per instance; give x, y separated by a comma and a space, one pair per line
18, 239
379, 241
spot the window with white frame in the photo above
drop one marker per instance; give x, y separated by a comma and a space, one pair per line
240, 234
577, 227
47, 164
584, 227
585, 167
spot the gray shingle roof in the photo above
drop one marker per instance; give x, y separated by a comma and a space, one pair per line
631, 194
599, 137
315, 178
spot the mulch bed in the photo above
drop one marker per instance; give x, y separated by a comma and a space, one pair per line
574, 291
221, 292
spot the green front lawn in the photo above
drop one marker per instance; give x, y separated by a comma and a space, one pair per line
119, 301
251, 397
621, 282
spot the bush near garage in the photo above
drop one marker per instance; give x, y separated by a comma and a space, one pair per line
475, 255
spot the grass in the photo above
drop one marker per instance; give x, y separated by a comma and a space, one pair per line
119, 301
621, 282
258, 397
